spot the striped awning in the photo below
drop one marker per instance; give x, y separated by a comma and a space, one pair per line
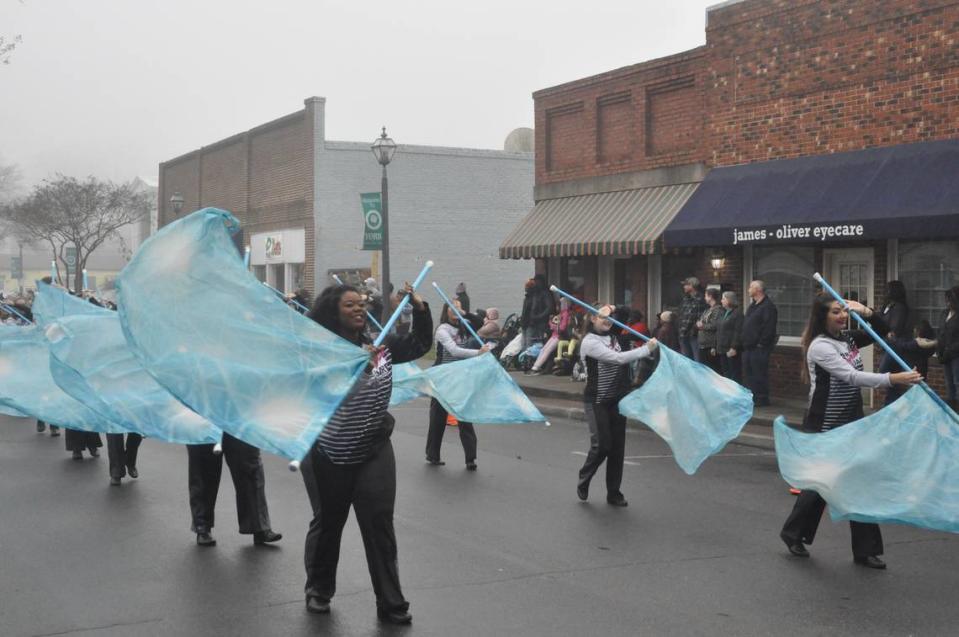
626, 222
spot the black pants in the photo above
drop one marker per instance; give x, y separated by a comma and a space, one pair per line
756, 373
732, 367
607, 431
370, 487
79, 440
122, 457
434, 437
804, 519
710, 360
246, 469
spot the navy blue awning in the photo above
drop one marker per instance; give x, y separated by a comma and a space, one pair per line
905, 191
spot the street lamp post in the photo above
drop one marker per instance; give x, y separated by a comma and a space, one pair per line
383, 149
177, 202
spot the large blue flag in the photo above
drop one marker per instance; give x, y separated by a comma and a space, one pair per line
900, 464
694, 409
476, 390
90, 361
227, 346
27, 385
52, 302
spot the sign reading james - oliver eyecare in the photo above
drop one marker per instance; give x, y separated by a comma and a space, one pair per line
274, 247
799, 233
373, 217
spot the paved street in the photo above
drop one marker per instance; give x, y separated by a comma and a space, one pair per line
508, 550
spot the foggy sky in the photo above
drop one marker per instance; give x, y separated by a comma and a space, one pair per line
113, 87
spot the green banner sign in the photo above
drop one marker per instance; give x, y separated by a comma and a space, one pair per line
373, 220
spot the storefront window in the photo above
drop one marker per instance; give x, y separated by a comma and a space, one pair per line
676, 269
574, 277
294, 276
787, 273
259, 271
622, 283
928, 269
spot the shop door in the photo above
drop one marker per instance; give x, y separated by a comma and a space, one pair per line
851, 273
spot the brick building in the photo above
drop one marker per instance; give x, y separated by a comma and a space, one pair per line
289, 185
723, 161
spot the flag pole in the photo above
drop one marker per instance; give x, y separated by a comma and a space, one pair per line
594, 310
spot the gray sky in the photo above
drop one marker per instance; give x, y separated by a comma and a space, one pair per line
113, 87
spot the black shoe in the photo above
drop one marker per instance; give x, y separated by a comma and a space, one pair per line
133, 472
203, 538
93, 452
582, 491
795, 547
394, 616
114, 481
870, 561
317, 606
435, 463
78, 455
54, 431
471, 466
266, 537
41, 426
617, 500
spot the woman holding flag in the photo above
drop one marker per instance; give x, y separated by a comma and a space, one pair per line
451, 346
352, 462
834, 370
607, 382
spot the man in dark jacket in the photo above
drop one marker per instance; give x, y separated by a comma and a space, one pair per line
759, 337
538, 306
690, 310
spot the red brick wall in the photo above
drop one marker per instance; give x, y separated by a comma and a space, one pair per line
263, 176
644, 116
801, 77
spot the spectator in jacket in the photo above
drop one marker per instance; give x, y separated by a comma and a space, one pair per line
538, 306
559, 326
759, 337
948, 346
666, 331
707, 326
915, 352
463, 297
729, 338
691, 308
895, 312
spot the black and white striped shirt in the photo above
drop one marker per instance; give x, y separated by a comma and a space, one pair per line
607, 367
837, 375
357, 425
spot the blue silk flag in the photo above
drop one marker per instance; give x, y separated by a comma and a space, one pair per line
694, 409
900, 464
476, 390
27, 386
52, 303
90, 361
226, 345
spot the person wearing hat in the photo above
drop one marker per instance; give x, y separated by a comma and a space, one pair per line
691, 308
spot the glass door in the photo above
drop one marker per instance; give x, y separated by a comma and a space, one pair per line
851, 272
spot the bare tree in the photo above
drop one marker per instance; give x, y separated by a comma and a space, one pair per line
67, 212
7, 45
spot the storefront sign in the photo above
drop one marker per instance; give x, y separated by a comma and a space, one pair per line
373, 218
788, 233
274, 247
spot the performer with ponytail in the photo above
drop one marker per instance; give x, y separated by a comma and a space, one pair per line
607, 382
451, 344
352, 462
834, 370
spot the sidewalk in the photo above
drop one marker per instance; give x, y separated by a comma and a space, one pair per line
559, 397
